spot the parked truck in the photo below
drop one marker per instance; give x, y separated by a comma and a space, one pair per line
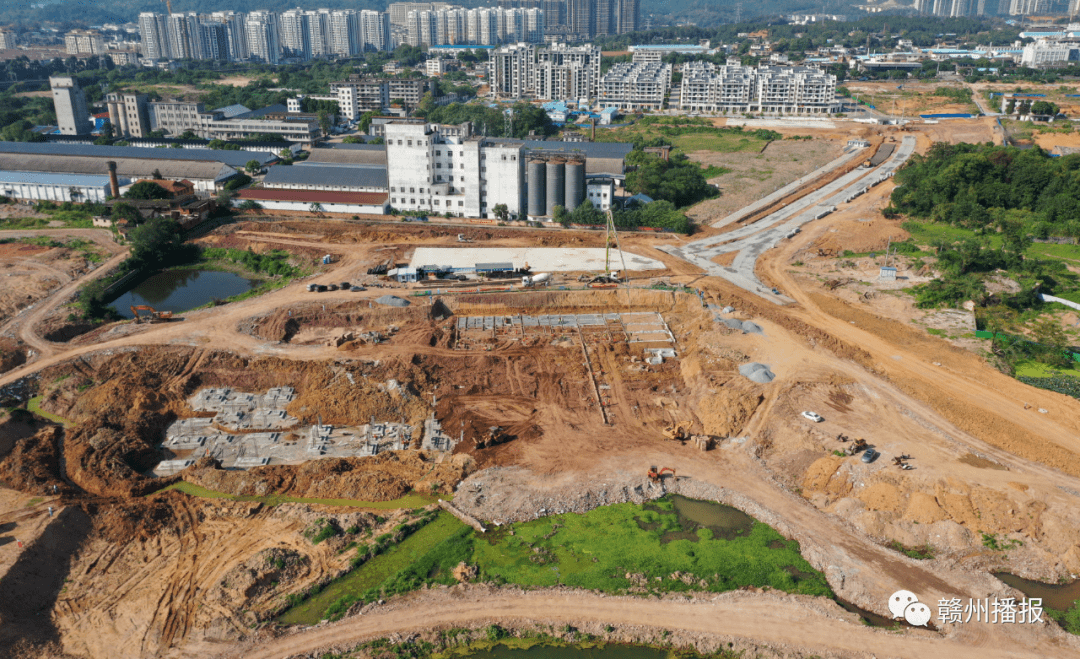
529, 281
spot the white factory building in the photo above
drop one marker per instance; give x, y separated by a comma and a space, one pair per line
40, 186
735, 89
444, 169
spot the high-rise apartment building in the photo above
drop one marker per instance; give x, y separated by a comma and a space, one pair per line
179, 35
295, 34
263, 36
567, 72
375, 31
154, 32
318, 29
235, 34
512, 70
636, 85
72, 115
484, 26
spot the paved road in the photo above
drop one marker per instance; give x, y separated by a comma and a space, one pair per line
750, 241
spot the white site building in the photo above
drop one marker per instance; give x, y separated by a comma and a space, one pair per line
435, 168
729, 89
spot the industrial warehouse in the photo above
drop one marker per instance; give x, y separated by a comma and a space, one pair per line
206, 169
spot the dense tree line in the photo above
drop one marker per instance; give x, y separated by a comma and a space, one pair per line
491, 121
1006, 197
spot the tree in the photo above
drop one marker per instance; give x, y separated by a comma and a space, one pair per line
252, 167
249, 205
156, 243
146, 190
156, 175
74, 193
224, 200
285, 154
1055, 343
501, 211
364, 123
324, 123
316, 208
188, 135
427, 104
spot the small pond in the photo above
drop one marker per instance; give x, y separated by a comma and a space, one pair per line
182, 289
1054, 596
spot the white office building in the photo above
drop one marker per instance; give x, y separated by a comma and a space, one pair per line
1045, 53
155, 36
295, 34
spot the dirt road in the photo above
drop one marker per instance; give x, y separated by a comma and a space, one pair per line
792, 622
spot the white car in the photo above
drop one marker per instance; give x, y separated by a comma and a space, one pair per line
813, 416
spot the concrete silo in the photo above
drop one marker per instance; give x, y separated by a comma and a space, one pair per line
556, 184
537, 188
575, 184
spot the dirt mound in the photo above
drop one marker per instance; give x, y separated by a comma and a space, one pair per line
285, 323
392, 301
756, 372
33, 463
12, 354
859, 236
726, 413
382, 477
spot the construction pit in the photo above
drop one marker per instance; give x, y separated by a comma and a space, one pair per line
521, 404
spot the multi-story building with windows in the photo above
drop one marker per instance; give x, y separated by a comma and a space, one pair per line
565, 72
769, 89
129, 114
263, 37
84, 42
434, 168
154, 31
512, 70
295, 34
358, 95
8, 40
636, 86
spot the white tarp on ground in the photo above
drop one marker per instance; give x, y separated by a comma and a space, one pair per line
540, 259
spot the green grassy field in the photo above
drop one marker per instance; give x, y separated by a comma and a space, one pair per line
334, 600
1029, 369
597, 549
407, 501
593, 551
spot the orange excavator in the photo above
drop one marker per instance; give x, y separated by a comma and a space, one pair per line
655, 475
154, 316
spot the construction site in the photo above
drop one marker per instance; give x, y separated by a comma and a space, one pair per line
163, 483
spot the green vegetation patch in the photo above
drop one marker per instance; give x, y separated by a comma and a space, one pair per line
599, 549
407, 501
1062, 384
397, 568
34, 405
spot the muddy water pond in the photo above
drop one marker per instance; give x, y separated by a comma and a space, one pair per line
693, 514
182, 289
1060, 597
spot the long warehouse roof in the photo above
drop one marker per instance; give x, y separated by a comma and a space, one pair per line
130, 167
232, 158
372, 176
47, 178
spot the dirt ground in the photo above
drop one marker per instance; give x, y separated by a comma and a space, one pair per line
582, 416
755, 175
908, 98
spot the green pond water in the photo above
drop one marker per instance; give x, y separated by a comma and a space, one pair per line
181, 289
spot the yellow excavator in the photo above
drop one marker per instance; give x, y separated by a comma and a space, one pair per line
678, 432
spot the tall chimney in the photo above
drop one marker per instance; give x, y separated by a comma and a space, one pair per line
113, 183
593, 123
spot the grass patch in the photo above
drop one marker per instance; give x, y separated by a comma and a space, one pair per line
366, 581
712, 171
34, 405
411, 500
596, 550
1032, 369
924, 553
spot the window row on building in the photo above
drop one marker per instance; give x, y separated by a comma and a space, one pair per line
555, 72
264, 36
707, 87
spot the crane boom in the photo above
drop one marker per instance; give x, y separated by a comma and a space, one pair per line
168, 5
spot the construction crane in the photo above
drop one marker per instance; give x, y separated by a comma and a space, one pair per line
154, 316
168, 5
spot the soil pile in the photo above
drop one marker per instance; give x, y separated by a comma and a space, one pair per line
32, 464
381, 477
392, 301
